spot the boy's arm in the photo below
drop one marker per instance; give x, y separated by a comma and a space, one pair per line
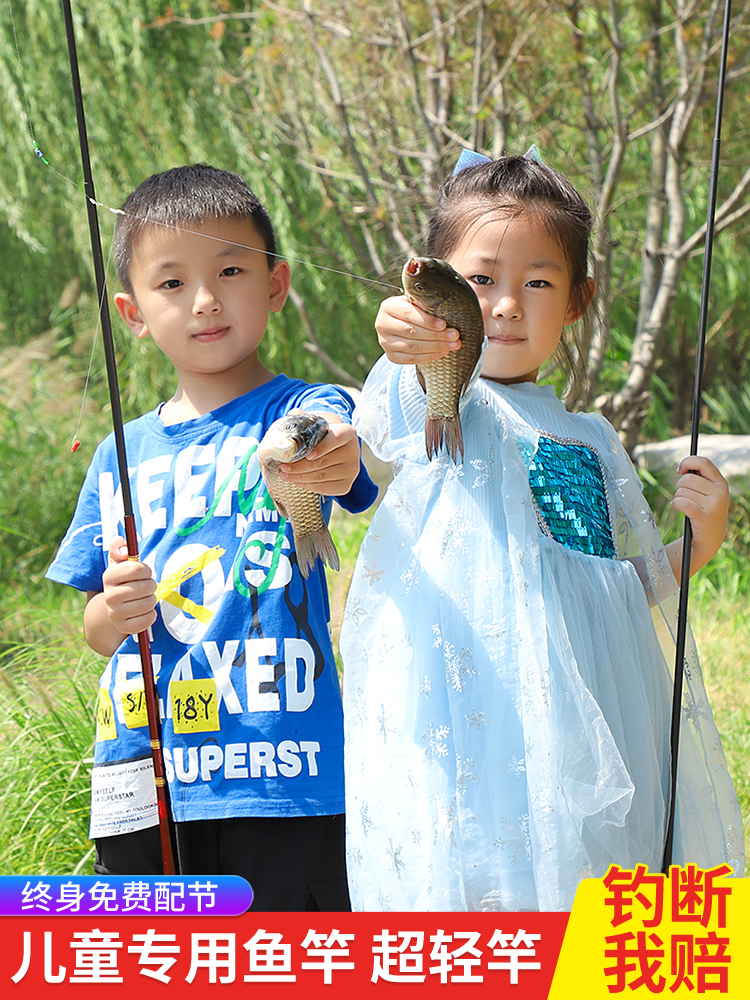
125, 606
702, 495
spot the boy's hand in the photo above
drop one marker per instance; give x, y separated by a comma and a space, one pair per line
332, 466
702, 494
129, 589
410, 336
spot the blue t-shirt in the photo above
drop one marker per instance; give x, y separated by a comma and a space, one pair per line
248, 691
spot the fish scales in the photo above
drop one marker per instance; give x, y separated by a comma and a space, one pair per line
439, 289
290, 439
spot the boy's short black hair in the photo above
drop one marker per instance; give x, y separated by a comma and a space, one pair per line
184, 197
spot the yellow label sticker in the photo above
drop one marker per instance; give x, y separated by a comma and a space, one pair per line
194, 706
106, 728
640, 933
168, 588
133, 698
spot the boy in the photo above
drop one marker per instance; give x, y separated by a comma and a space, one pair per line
248, 692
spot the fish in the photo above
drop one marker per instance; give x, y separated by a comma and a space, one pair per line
439, 289
289, 439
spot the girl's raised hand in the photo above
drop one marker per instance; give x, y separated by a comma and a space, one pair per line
702, 494
410, 336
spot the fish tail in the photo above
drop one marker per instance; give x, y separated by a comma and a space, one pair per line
444, 431
317, 544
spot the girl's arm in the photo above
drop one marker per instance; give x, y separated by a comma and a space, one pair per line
410, 336
702, 495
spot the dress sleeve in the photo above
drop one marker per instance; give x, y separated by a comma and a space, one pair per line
390, 414
638, 537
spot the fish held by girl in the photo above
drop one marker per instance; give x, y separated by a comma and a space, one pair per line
290, 439
439, 289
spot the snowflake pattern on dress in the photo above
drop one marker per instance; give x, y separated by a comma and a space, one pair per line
458, 666
435, 740
464, 772
516, 842
476, 719
516, 766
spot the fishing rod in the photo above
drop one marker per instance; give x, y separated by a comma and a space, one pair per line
152, 705
681, 636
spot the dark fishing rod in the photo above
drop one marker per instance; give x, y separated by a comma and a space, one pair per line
152, 705
679, 668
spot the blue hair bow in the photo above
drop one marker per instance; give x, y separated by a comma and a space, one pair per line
470, 158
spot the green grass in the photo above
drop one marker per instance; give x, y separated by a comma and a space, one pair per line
722, 632
46, 749
348, 530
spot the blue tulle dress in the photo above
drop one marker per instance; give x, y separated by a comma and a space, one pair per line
507, 701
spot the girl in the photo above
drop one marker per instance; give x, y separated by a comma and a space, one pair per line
507, 701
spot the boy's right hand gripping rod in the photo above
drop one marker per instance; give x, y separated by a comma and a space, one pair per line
166, 829
679, 667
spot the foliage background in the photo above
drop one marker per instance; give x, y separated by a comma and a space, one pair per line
344, 117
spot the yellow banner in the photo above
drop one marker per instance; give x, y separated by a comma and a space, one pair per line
639, 933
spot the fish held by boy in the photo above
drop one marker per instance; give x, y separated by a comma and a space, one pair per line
439, 289
290, 439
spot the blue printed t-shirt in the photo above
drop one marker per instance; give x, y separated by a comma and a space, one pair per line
248, 692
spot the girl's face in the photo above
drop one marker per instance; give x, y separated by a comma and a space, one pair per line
522, 281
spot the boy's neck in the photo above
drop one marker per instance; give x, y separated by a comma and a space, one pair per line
199, 394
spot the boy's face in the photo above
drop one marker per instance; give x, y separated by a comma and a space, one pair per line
203, 295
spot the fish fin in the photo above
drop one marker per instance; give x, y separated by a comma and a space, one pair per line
318, 544
444, 431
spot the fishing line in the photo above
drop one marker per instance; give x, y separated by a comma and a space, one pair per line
76, 443
24, 90
243, 246
118, 211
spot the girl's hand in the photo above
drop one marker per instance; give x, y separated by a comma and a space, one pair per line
332, 465
410, 336
702, 495
129, 588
